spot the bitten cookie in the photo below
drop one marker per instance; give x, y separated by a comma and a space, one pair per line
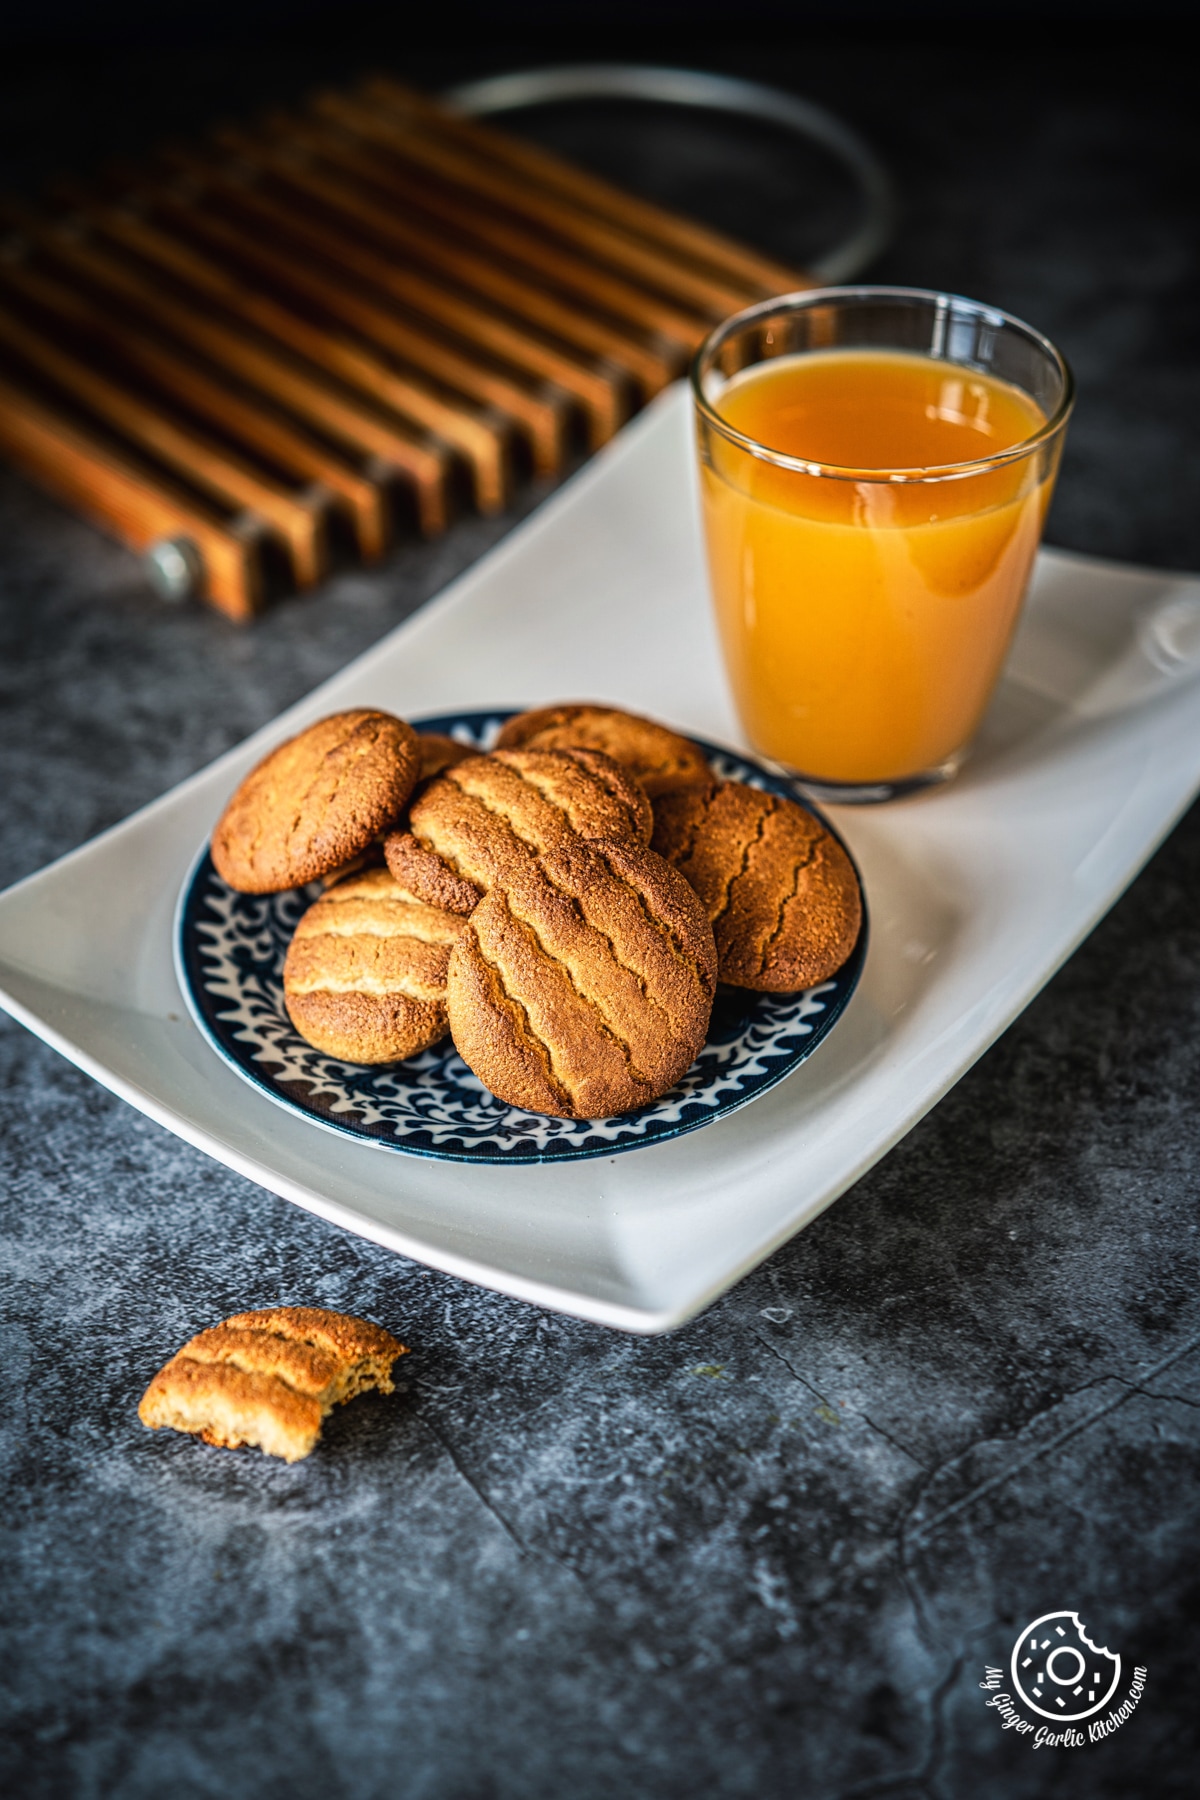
781, 893
490, 815
661, 760
316, 802
365, 975
583, 986
269, 1378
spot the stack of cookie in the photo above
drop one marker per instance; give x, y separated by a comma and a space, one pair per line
563, 906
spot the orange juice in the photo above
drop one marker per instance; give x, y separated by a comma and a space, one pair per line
865, 605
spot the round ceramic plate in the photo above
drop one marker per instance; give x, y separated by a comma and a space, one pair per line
229, 956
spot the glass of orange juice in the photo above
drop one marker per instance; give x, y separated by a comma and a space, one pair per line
875, 466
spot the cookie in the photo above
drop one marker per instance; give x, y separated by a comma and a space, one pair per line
438, 752
269, 1378
371, 858
491, 814
316, 802
583, 985
661, 760
423, 872
365, 975
780, 891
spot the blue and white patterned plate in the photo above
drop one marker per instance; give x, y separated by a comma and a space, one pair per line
229, 957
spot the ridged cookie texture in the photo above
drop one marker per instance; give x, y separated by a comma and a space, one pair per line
269, 1378
583, 985
780, 891
365, 974
489, 816
660, 759
316, 802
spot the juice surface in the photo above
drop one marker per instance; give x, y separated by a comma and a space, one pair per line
864, 621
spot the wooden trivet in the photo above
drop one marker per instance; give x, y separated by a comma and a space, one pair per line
314, 330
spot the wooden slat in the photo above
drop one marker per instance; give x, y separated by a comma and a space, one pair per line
123, 494
209, 393
481, 441
538, 410
601, 387
762, 276
302, 524
294, 161
370, 148
608, 245
292, 383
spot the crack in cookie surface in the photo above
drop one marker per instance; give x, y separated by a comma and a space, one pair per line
365, 974
620, 1013
474, 826
779, 889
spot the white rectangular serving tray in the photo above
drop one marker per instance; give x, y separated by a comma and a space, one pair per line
977, 893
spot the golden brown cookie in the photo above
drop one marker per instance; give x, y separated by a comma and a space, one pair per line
660, 759
583, 985
269, 1378
491, 814
365, 975
423, 872
316, 801
438, 752
780, 891
433, 878
371, 858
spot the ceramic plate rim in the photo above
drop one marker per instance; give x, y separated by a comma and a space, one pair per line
1092, 769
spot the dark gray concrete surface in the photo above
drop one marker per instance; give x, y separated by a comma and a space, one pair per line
769, 1555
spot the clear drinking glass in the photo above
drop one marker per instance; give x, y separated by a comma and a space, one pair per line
876, 465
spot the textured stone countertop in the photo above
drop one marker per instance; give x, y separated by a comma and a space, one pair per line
771, 1554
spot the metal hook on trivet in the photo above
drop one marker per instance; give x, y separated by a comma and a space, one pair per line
711, 93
